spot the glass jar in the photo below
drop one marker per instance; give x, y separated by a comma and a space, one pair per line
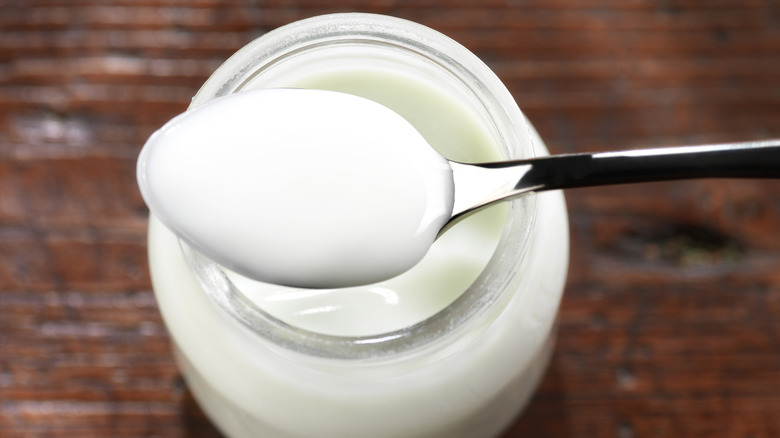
463, 369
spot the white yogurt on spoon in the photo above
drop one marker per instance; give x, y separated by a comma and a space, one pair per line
303, 188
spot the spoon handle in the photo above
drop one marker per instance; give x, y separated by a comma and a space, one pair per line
760, 159
478, 185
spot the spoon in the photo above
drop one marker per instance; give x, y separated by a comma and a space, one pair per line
319, 189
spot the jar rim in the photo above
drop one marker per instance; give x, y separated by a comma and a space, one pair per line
509, 257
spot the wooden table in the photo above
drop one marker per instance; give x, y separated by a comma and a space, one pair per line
670, 325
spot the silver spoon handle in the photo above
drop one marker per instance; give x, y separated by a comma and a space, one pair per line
502, 180
734, 160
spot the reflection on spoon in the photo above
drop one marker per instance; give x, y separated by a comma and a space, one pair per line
319, 189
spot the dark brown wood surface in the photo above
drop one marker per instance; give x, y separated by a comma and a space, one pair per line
670, 324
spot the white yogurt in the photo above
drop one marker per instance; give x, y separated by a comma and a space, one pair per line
304, 188
439, 370
454, 261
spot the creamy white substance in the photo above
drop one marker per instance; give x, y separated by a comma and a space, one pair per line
296, 187
454, 261
469, 385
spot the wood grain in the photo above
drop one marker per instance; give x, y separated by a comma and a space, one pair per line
669, 325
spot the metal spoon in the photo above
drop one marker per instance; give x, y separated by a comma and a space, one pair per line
246, 197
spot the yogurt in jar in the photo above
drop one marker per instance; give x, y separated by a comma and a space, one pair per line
452, 348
